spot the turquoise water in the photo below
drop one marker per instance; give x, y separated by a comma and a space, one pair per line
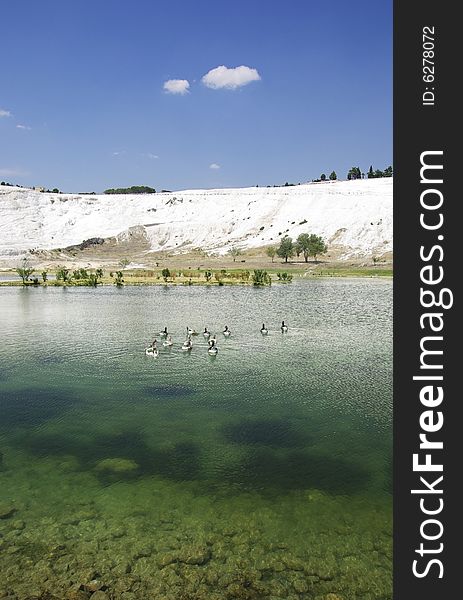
264, 472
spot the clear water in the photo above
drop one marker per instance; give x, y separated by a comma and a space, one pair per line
264, 472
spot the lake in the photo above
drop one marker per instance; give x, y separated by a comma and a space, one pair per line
263, 472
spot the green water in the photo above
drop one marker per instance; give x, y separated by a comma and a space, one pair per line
264, 472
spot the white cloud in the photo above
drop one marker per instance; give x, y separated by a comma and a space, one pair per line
223, 77
152, 156
177, 86
119, 153
25, 127
4, 113
214, 166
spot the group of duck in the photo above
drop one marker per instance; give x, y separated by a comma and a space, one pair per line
187, 345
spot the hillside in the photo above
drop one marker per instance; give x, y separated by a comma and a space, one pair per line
353, 216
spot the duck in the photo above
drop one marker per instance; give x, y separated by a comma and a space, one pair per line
212, 341
263, 329
226, 331
168, 342
164, 333
284, 328
152, 351
187, 344
213, 350
190, 331
206, 333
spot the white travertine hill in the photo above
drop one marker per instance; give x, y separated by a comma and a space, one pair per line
356, 216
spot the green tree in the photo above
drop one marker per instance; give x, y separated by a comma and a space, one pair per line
354, 173
271, 252
317, 246
92, 279
379, 173
388, 171
165, 274
62, 274
323, 177
119, 281
371, 173
333, 176
44, 276
24, 270
208, 275
235, 252
124, 262
99, 274
303, 244
286, 248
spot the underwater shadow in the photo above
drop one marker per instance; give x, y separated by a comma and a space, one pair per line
267, 472
119, 456
32, 406
275, 433
168, 391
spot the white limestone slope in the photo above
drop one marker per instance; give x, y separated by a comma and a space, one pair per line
354, 215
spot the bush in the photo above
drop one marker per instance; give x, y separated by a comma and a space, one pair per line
261, 277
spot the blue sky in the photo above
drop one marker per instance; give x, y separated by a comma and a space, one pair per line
83, 105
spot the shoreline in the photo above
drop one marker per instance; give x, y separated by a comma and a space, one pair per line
135, 281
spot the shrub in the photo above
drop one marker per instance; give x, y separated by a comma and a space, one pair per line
261, 277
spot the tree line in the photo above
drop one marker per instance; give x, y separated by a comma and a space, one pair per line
134, 189
356, 173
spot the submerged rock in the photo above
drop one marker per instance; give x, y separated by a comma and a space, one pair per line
100, 595
7, 510
116, 466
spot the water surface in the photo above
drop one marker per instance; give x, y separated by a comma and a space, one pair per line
264, 472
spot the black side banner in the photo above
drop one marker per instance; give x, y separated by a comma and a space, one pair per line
426, 233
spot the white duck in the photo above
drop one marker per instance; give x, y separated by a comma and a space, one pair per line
263, 329
284, 328
226, 331
187, 344
168, 342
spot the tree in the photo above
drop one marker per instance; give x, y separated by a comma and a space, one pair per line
286, 249
55, 190
124, 262
323, 177
379, 173
24, 270
44, 276
119, 281
208, 276
354, 173
271, 252
388, 171
92, 279
303, 244
99, 274
317, 246
62, 273
235, 252
333, 176
370, 172
165, 274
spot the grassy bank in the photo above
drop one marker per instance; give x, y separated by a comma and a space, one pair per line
202, 276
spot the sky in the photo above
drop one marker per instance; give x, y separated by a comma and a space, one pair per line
180, 94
